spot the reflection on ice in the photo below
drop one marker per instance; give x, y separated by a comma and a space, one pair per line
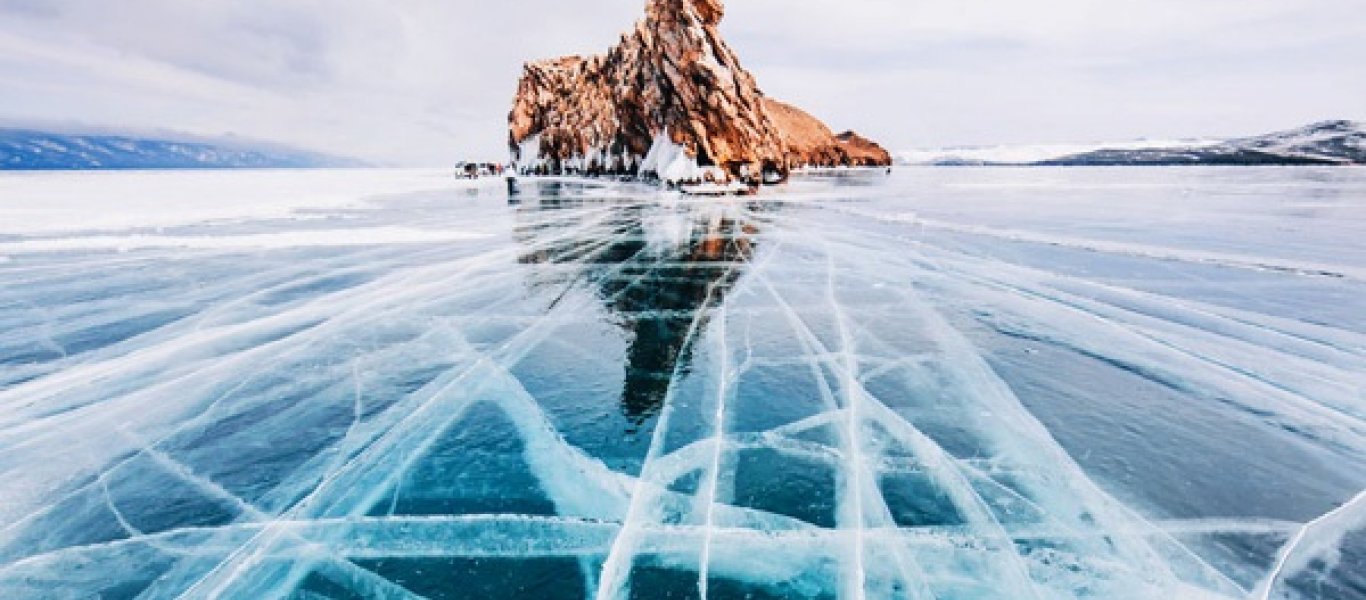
659, 270
635, 395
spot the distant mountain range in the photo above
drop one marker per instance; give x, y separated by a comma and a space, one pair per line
29, 149
1325, 143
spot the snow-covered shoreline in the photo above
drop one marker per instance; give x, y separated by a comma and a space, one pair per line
45, 202
1324, 143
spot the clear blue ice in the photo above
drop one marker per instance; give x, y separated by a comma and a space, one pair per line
949, 384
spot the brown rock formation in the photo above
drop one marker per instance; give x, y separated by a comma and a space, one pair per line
810, 143
673, 73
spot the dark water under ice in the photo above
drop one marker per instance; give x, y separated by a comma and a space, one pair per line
953, 383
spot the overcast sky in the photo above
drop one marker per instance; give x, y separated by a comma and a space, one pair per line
430, 81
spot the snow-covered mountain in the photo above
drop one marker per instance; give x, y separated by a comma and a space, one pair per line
1339, 141
1026, 154
1324, 143
29, 149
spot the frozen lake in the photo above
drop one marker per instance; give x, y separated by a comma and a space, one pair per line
950, 383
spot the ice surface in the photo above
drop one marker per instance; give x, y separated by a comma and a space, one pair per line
45, 202
357, 236
985, 383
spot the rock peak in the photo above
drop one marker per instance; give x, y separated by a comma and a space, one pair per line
669, 101
708, 12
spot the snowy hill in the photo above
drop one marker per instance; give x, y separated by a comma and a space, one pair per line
1339, 141
1324, 143
1027, 154
27, 149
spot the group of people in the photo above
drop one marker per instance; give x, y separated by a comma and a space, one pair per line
477, 170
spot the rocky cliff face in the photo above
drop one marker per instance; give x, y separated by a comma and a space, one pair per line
669, 101
810, 143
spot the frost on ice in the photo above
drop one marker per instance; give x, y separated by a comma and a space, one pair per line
630, 395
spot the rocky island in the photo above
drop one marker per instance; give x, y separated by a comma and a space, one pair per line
669, 102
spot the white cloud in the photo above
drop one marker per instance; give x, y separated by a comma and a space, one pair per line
428, 81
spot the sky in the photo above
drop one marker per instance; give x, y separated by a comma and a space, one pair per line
429, 82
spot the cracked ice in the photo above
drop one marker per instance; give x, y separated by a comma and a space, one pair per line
979, 383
